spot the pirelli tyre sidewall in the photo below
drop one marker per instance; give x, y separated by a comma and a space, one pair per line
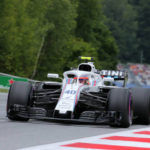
120, 100
141, 105
19, 93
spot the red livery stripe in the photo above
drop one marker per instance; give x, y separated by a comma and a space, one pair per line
63, 90
143, 132
68, 81
131, 139
81, 78
103, 146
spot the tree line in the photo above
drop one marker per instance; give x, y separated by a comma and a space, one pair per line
129, 22
37, 37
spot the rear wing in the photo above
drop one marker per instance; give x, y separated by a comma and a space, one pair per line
116, 74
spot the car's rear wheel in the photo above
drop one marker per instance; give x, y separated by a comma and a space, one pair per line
120, 100
141, 105
19, 93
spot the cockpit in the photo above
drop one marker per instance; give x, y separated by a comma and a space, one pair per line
85, 74
77, 78
82, 80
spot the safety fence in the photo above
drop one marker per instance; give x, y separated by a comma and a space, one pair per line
6, 80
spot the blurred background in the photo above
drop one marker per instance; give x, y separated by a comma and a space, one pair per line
138, 74
37, 37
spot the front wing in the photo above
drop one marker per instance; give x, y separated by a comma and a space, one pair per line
105, 117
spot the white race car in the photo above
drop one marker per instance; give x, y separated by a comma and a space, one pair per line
84, 95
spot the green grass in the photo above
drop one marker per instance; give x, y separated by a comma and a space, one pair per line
4, 90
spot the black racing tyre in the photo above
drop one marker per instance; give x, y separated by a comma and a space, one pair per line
120, 100
19, 93
141, 105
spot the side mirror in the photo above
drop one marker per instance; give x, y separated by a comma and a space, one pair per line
52, 75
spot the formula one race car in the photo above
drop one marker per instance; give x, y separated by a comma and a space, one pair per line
85, 95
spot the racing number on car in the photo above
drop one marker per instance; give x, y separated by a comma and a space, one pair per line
73, 92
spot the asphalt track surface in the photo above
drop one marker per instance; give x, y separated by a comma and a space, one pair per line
17, 135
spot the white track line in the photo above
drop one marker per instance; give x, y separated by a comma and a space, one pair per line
98, 140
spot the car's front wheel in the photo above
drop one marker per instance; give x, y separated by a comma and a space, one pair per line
120, 100
19, 93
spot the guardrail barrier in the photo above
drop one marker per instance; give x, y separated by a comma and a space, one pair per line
6, 80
